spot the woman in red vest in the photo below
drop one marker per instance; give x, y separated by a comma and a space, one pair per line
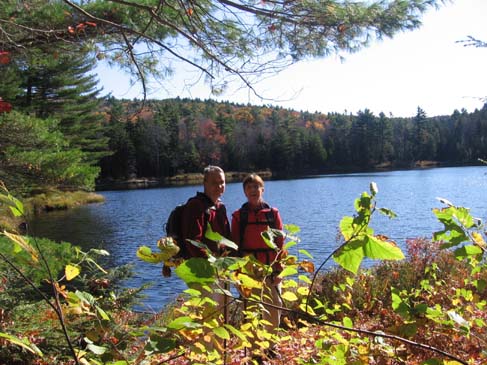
248, 223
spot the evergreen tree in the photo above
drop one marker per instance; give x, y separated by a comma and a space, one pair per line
35, 155
62, 87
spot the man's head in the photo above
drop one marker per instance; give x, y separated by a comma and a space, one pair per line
214, 182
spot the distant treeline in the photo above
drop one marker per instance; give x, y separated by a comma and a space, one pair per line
166, 137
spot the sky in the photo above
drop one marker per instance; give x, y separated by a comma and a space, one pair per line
425, 68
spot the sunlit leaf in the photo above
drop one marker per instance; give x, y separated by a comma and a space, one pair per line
269, 239
222, 333
102, 314
248, 281
15, 205
236, 332
289, 296
288, 271
468, 250
292, 228
145, 253
290, 244
458, 319
305, 279
347, 322
306, 253
350, 256
99, 252
98, 350
346, 227
23, 243
183, 322
375, 248
71, 271
196, 270
217, 237
22, 342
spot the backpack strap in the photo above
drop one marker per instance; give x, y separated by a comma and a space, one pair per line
208, 205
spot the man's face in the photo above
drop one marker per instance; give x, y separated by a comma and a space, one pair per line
214, 185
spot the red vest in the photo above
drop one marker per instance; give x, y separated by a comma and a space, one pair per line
252, 241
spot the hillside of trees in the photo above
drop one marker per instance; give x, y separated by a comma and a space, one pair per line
160, 138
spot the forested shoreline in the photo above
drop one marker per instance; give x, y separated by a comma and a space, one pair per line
161, 138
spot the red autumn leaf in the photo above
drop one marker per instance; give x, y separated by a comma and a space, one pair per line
4, 106
4, 57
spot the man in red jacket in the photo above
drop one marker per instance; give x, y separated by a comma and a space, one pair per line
200, 211
203, 209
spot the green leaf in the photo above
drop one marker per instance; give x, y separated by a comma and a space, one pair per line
346, 227
288, 271
217, 237
85, 297
22, 342
351, 255
375, 248
269, 239
196, 270
158, 344
468, 250
290, 244
398, 304
306, 253
102, 314
347, 322
305, 279
222, 333
183, 322
145, 254
18, 208
22, 243
13, 203
236, 332
387, 212
292, 228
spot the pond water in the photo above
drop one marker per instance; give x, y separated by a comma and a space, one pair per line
131, 218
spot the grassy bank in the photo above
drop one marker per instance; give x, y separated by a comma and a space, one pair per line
45, 202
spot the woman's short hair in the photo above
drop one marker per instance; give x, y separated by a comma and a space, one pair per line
253, 178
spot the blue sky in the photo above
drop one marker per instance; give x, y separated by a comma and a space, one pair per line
424, 68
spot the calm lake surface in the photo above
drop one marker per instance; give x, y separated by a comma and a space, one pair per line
131, 218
